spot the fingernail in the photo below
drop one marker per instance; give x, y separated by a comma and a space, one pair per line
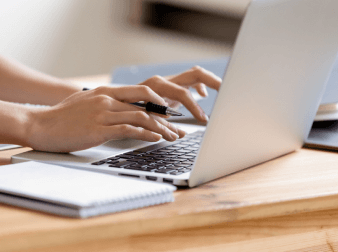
205, 91
173, 128
183, 133
205, 117
156, 137
173, 136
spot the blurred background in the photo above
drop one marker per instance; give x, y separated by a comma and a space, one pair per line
69, 38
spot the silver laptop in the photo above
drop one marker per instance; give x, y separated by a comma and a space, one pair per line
265, 108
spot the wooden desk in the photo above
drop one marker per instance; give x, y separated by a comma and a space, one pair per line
286, 204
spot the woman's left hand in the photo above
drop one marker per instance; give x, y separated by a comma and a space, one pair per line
175, 88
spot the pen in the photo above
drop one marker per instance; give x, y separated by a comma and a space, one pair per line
155, 108
152, 107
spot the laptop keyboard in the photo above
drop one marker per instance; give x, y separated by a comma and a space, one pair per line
172, 158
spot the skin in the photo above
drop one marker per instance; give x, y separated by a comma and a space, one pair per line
78, 120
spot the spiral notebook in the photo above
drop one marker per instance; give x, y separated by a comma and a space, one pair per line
76, 193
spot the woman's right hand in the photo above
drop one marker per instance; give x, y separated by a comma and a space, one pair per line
90, 118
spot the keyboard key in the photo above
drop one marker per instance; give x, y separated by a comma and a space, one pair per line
152, 155
169, 148
176, 173
99, 162
133, 167
112, 161
149, 169
139, 168
132, 160
179, 159
195, 140
132, 153
189, 142
191, 148
145, 167
137, 157
170, 162
170, 166
184, 150
121, 164
177, 153
160, 158
115, 166
123, 156
180, 145
142, 161
169, 156
162, 152
161, 171
185, 156
187, 163
180, 165
173, 148
158, 165
191, 154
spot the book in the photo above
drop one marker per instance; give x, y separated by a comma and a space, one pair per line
76, 193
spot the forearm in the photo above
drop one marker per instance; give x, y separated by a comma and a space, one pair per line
19, 83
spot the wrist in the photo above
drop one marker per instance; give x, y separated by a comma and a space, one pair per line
15, 124
64, 89
35, 125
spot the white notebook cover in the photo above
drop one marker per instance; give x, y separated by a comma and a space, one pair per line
76, 193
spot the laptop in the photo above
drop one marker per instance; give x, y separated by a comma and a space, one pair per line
264, 109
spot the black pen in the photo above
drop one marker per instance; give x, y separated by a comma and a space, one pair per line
155, 108
152, 107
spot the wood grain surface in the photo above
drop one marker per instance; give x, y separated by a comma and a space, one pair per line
300, 182
315, 231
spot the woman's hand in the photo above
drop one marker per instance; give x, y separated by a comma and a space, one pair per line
87, 119
176, 88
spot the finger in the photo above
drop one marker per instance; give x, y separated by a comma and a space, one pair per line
170, 90
173, 104
195, 75
185, 97
122, 131
201, 89
117, 106
144, 120
178, 131
132, 94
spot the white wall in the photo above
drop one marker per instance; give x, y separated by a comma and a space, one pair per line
33, 31
86, 37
